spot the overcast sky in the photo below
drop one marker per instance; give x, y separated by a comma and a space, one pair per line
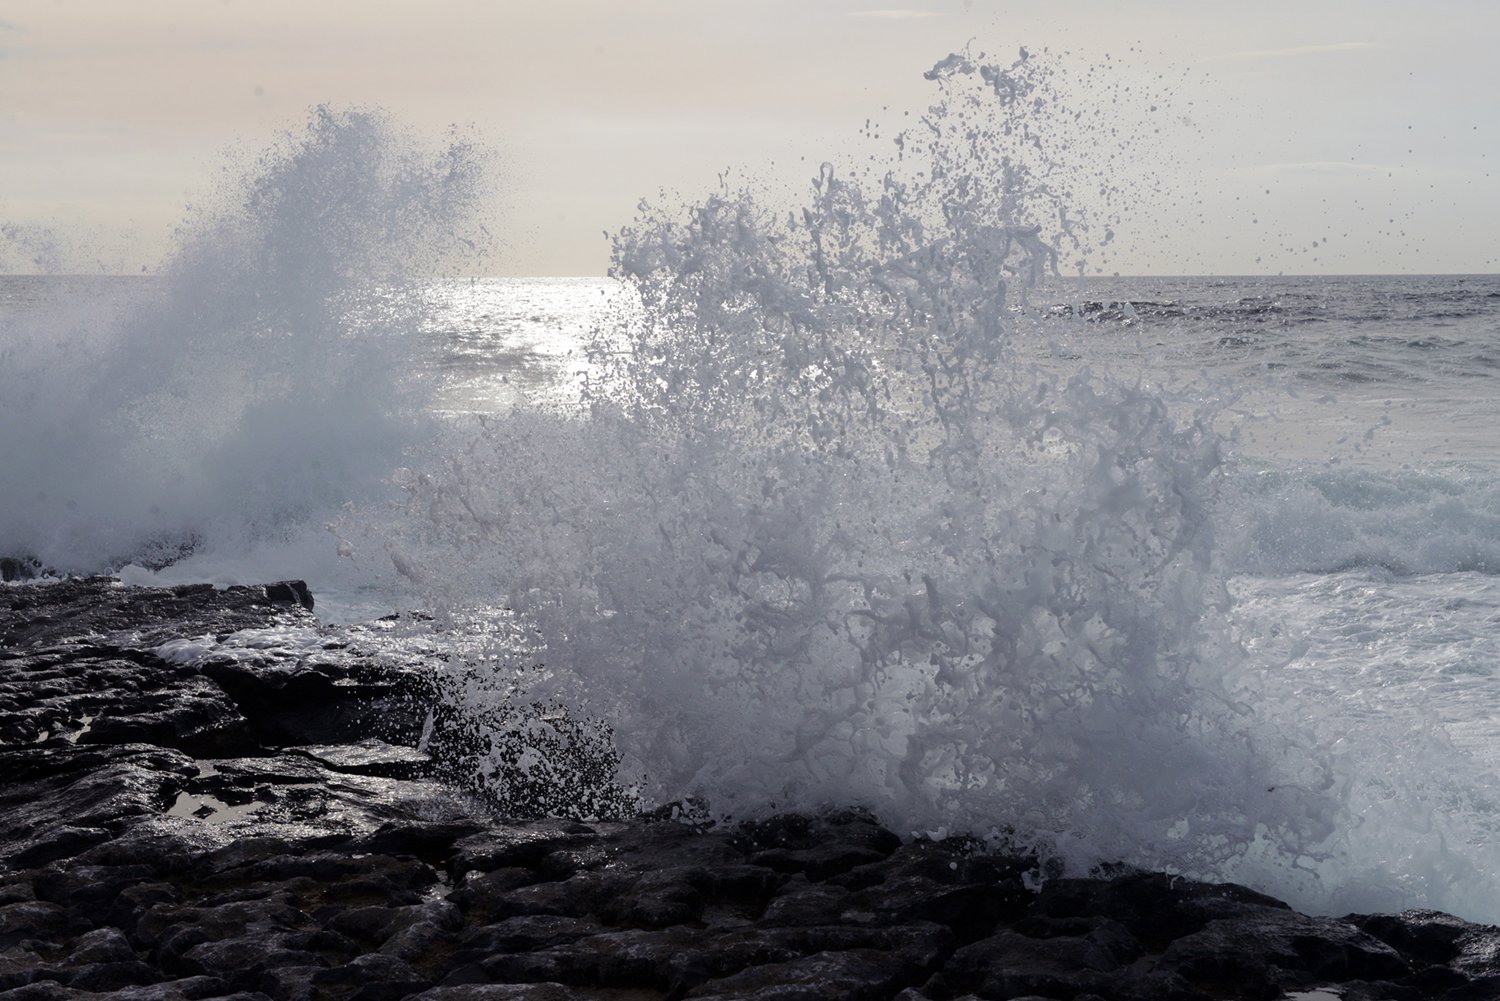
1369, 128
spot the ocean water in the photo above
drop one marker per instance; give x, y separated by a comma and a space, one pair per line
865, 501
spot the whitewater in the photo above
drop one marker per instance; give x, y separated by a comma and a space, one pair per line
862, 498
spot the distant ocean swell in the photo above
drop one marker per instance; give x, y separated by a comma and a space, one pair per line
825, 528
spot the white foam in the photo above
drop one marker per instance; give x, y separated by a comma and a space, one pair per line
187, 652
825, 537
265, 377
834, 531
1316, 517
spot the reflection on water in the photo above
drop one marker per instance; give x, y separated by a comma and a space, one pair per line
504, 342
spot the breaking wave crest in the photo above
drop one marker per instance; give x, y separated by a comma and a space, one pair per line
825, 535
837, 527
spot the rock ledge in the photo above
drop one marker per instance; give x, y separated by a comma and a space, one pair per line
178, 825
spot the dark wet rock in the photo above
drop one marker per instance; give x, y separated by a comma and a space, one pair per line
19, 568
249, 956
290, 592
522, 934
109, 977
370, 756
1009, 964
1156, 908
424, 944
89, 609
31, 920
41, 990
858, 975
524, 845
88, 660
102, 945
379, 975
59, 802
482, 895
972, 907
428, 839
67, 695
801, 903
1256, 951
306, 705
1431, 938
208, 795
501, 992
818, 847
660, 900
191, 714
622, 958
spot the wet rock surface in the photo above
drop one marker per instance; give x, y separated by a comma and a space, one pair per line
180, 824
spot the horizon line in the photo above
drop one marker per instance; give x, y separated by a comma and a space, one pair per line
1111, 276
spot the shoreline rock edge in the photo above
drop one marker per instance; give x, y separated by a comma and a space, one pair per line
193, 828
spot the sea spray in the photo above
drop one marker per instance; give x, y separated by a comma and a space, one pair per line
828, 534
844, 519
262, 378
846, 522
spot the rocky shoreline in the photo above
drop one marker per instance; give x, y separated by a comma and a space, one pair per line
180, 825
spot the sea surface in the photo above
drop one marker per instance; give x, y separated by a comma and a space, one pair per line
866, 503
